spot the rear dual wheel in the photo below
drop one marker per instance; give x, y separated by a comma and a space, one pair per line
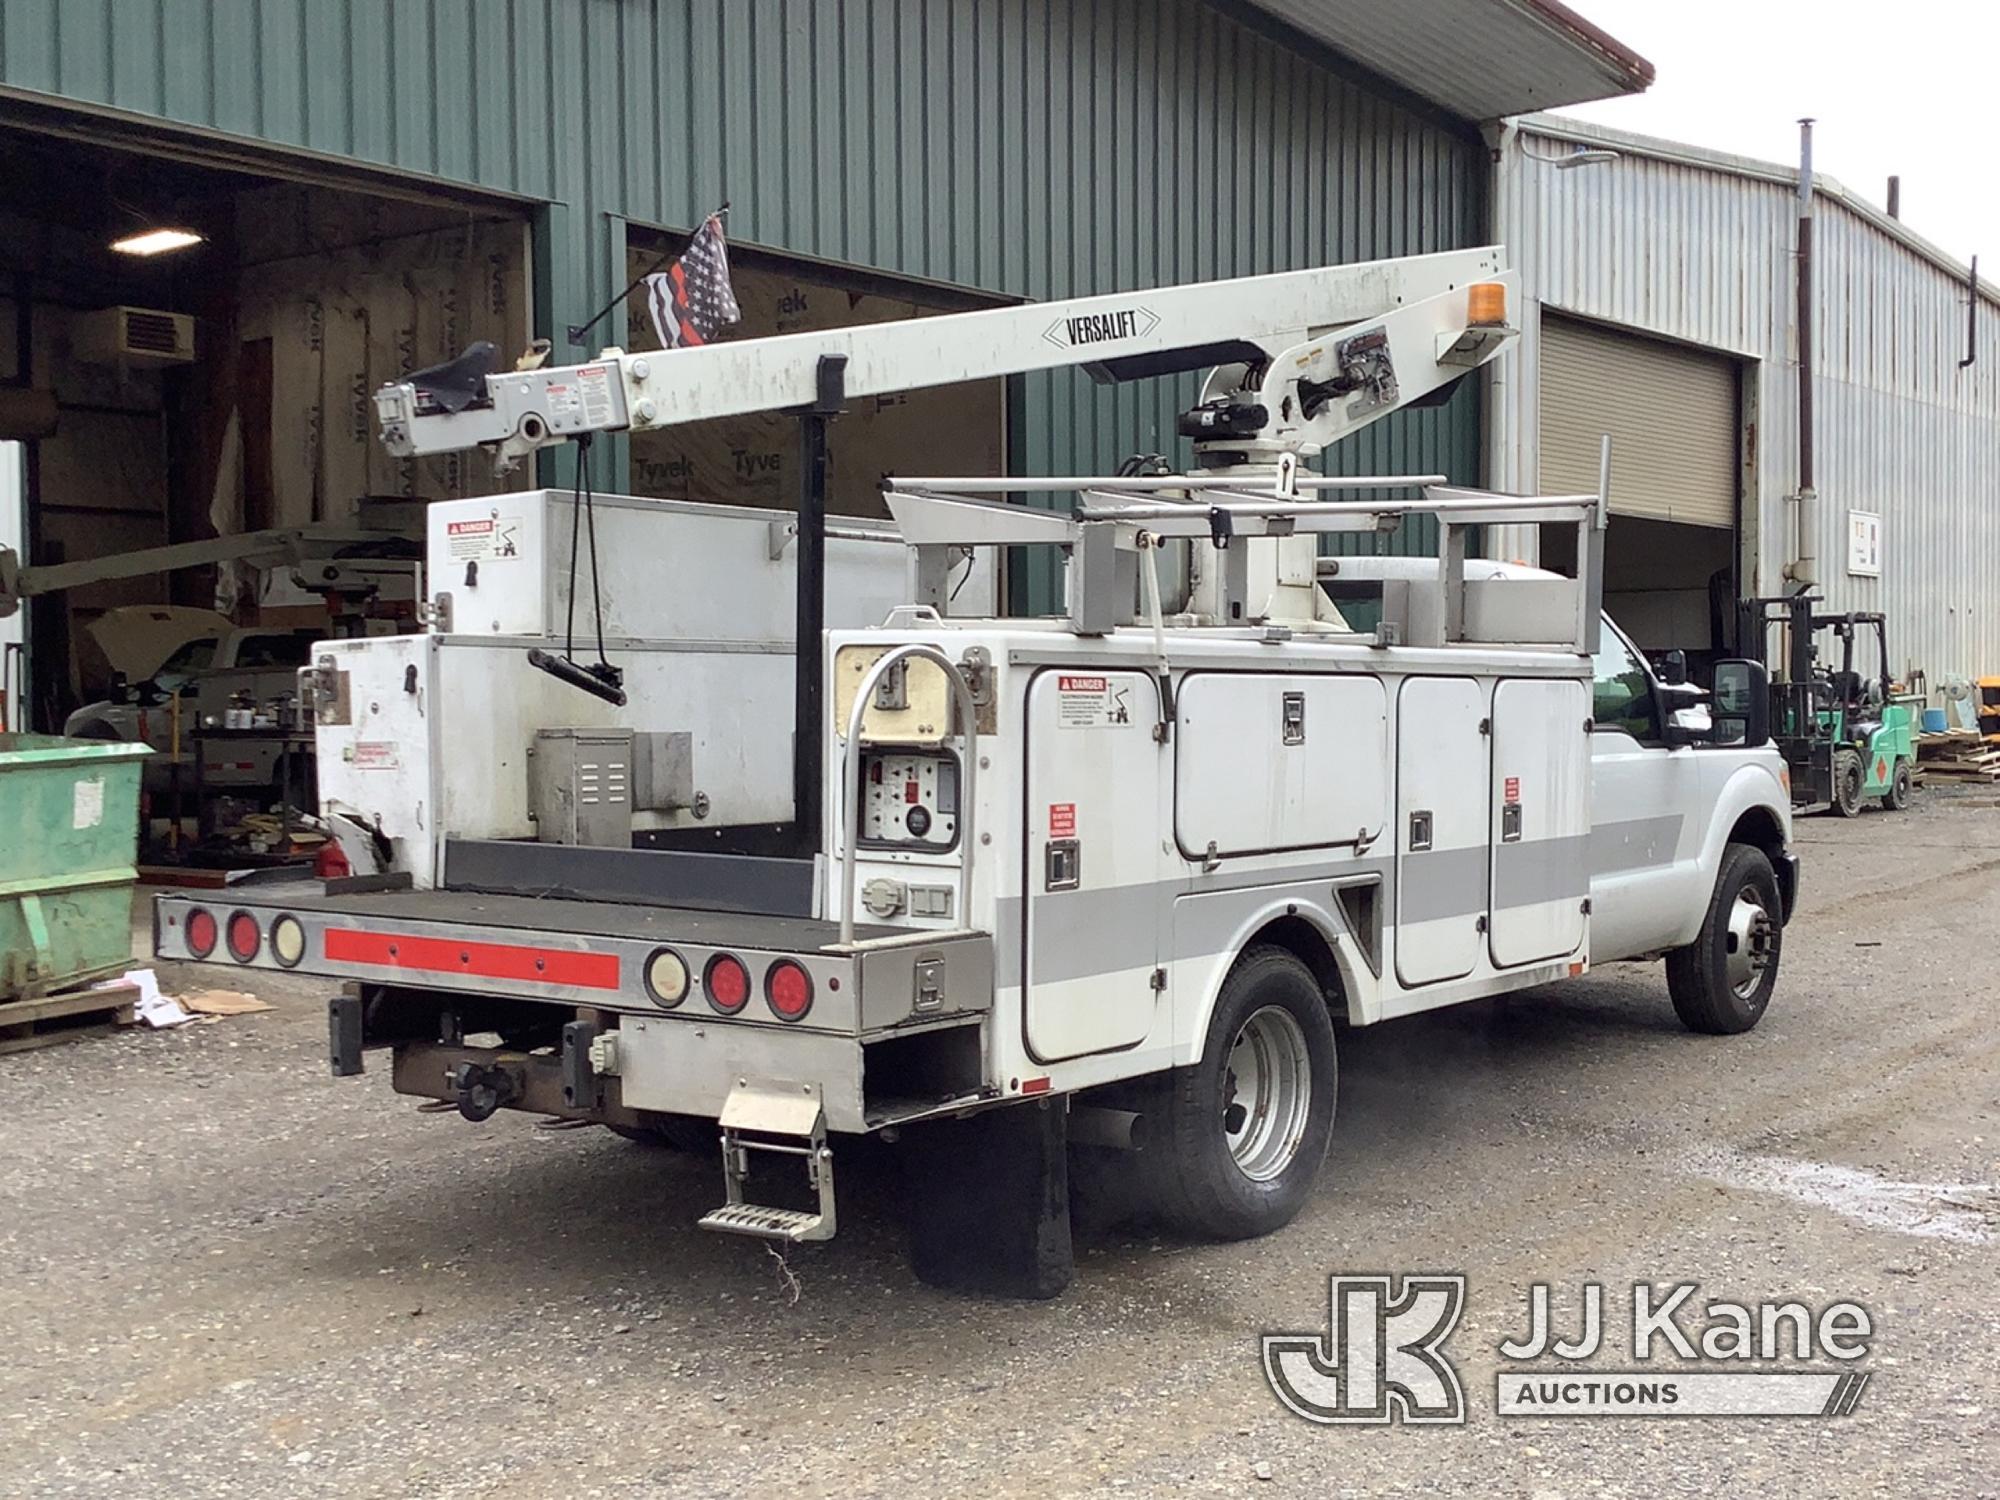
1233, 1144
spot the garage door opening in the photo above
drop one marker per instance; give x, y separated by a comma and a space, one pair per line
752, 460
1674, 416
220, 387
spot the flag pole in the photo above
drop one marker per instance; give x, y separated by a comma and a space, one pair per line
579, 331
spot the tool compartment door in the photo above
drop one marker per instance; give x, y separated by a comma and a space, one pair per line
1095, 901
1270, 762
1441, 828
1540, 797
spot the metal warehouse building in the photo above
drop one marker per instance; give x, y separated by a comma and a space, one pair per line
379, 181
1662, 309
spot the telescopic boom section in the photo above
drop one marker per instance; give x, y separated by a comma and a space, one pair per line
1299, 359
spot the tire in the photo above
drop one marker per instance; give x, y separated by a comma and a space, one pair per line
1846, 783
674, 1133
1898, 796
1215, 1164
1721, 983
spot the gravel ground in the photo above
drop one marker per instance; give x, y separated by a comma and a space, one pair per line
228, 1274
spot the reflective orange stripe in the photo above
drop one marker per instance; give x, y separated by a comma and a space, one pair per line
595, 971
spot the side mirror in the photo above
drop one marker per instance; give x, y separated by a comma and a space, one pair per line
1741, 704
1671, 667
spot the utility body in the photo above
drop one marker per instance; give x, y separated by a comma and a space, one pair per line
1089, 893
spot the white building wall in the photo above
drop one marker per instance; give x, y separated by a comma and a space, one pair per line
1699, 247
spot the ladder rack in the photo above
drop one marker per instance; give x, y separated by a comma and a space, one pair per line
1117, 522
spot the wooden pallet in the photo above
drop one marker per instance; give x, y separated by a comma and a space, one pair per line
65, 1018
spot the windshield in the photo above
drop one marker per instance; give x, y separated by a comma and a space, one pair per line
191, 656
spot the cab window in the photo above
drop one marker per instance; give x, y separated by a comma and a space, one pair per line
1623, 694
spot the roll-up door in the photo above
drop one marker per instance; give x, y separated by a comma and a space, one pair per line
1671, 413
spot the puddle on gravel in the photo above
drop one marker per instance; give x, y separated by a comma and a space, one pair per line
1968, 1213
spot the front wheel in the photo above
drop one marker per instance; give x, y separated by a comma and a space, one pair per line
1898, 796
1233, 1143
1722, 981
1847, 782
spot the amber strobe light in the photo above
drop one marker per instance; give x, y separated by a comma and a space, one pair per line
1486, 304
200, 932
727, 983
789, 990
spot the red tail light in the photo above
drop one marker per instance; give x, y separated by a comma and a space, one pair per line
245, 936
727, 983
200, 932
331, 862
788, 989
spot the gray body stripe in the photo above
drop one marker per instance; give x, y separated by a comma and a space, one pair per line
1115, 927
1634, 844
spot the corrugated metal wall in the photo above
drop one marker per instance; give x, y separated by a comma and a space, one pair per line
1037, 148
1703, 252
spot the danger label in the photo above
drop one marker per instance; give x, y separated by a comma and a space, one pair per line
1062, 820
373, 755
593, 389
1091, 702
1513, 789
494, 536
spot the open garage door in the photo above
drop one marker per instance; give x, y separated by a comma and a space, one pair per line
1672, 413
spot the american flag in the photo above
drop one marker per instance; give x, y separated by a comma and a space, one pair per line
691, 301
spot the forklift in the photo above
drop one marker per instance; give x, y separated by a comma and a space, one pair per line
1842, 736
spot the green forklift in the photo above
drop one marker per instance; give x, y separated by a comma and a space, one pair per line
1842, 736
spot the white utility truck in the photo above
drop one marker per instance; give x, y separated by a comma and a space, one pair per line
1096, 890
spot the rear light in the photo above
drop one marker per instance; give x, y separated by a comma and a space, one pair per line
788, 989
288, 941
245, 937
331, 862
666, 977
200, 932
727, 983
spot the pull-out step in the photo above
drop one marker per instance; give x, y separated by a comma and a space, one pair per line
786, 1119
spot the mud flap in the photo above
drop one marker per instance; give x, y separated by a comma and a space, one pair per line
989, 1202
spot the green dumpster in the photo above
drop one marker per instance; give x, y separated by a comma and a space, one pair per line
69, 836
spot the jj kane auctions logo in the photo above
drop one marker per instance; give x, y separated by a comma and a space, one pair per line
1382, 1358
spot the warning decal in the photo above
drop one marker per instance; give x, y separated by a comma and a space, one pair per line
594, 391
1084, 702
492, 537
374, 755
1513, 789
1062, 820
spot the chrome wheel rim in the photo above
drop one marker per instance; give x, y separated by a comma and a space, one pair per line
1749, 942
1267, 1093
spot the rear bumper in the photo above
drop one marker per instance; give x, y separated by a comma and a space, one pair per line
1787, 868
895, 1021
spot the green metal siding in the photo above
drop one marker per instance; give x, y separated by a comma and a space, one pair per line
1035, 148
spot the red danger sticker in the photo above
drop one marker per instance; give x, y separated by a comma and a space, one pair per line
1513, 789
1062, 820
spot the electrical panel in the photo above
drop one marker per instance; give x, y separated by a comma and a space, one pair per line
909, 799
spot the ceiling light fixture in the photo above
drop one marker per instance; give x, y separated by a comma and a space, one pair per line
157, 241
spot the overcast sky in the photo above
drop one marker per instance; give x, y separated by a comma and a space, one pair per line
1907, 87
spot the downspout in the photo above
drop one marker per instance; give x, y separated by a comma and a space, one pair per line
1803, 570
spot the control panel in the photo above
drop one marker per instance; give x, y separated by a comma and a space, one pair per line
909, 799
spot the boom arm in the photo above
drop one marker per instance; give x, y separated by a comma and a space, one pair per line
1303, 358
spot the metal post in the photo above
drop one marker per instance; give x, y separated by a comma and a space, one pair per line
808, 704
1804, 569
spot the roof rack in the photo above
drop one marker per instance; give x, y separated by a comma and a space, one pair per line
1117, 519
